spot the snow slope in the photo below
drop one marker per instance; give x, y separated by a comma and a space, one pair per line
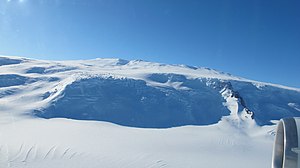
166, 115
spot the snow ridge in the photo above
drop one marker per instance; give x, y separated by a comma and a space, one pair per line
240, 115
180, 95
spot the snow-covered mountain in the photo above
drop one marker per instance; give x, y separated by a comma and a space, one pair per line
219, 112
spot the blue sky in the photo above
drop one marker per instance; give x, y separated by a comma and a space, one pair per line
255, 39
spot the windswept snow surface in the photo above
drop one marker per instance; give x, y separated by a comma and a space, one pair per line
118, 113
60, 143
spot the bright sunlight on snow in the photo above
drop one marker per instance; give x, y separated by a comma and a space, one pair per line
116, 113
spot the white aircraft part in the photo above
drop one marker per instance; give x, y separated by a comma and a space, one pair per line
286, 147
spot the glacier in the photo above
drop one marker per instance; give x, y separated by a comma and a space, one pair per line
116, 113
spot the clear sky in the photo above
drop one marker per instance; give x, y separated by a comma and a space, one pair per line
255, 39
